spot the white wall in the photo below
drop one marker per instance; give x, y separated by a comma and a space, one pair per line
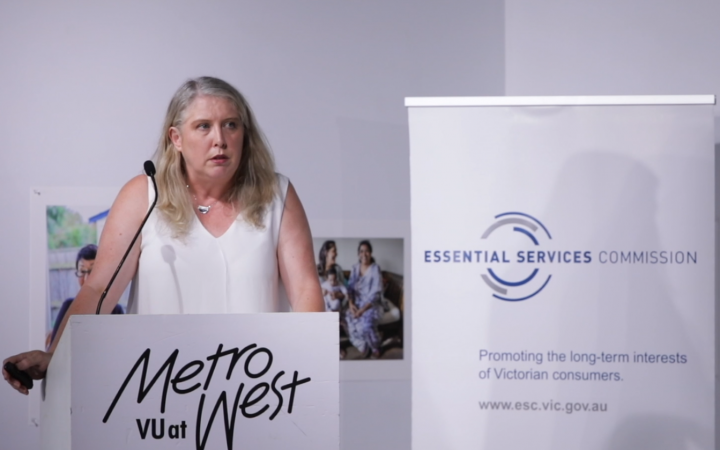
84, 86
612, 47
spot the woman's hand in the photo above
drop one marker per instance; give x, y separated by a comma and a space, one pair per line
35, 363
361, 311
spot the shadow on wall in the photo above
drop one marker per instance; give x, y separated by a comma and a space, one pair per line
630, 196
607, 201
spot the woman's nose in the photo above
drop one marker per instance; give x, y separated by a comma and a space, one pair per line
219, 137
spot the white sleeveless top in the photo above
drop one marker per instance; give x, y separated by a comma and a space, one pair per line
201, 274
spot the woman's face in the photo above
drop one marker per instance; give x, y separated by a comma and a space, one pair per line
210, 139
331, 256
364, 254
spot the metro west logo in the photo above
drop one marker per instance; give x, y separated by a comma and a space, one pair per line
531, 285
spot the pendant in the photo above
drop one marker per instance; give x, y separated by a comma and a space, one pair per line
204, 209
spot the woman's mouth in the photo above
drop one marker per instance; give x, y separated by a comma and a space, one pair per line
219, 158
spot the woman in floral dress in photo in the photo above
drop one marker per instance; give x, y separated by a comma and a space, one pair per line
365, 289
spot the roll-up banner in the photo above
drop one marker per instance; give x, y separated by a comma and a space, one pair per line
563, 272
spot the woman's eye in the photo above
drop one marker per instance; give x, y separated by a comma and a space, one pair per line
203, 126
231, 125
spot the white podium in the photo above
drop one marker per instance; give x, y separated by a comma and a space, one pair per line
194, 382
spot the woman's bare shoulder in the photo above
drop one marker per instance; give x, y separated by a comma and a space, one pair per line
131, 203
135, 192
137, 185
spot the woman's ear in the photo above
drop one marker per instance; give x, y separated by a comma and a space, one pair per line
175, 137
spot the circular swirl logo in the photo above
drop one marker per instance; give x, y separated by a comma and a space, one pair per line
531, 284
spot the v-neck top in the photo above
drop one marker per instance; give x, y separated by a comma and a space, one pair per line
203, 274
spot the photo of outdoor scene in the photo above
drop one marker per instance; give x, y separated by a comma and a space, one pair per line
362, 280
72, 237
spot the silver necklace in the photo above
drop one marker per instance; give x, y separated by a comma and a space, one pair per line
202, 208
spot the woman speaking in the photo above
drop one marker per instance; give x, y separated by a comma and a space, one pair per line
226, 228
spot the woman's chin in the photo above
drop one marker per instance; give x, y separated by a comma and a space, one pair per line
219, 172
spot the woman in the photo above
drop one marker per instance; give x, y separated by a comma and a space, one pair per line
365, 288
327, 257
221, 210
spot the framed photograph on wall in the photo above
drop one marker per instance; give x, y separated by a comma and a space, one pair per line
73, 233
65, 226
363, 269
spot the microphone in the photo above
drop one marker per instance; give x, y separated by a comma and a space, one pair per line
150, 171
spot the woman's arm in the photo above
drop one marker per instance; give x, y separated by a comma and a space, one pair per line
376, 284
125, 217
354, 274
295, 257
375, 289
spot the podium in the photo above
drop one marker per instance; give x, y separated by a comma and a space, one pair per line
231, 381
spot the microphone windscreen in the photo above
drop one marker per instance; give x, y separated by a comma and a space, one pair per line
149, 168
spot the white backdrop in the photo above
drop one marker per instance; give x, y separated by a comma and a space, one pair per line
598, 350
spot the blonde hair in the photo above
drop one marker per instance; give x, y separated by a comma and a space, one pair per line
254, 183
